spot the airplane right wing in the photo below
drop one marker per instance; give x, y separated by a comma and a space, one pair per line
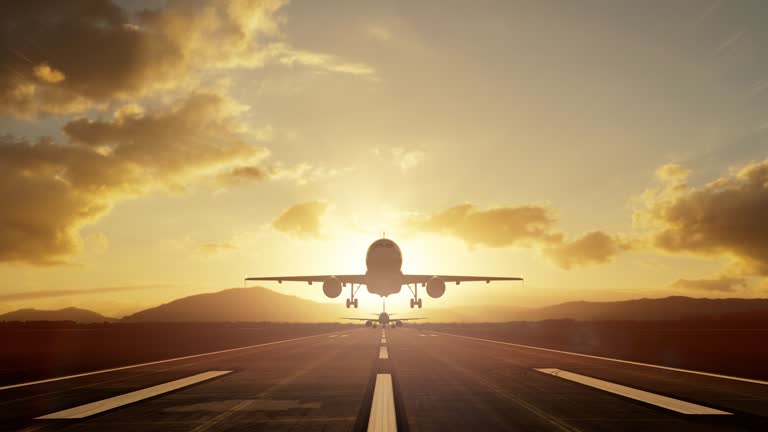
421, 279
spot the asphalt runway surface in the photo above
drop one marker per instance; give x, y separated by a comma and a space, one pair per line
398, 379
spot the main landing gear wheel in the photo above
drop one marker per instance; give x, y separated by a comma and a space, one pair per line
355, 303
415, 303
351, 303
419, 303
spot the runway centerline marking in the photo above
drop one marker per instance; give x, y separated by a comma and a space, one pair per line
669, 403
714, 375
43, 381
383, 340
382, 417
383, 353
97, 407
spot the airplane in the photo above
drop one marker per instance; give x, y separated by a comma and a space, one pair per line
384, 277
383, 320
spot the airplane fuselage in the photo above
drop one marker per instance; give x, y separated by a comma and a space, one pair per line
384, 263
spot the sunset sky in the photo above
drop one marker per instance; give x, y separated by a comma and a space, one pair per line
603, 150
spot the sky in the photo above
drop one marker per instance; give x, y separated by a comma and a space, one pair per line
603, 150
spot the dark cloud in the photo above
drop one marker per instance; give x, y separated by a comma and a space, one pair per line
721, 284
59, 57
302, 220
50, 190
726, 217
527, 226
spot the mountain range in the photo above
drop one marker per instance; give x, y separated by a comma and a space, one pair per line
262, 304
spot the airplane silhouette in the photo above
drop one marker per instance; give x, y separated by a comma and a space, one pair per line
383, 319
383, 277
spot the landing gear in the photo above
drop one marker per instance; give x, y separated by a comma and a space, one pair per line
352, 301
415, 301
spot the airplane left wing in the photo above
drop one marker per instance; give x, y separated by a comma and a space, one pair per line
344, 279
422, 279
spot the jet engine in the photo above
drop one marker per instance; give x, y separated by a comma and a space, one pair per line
435, 287
332, 287
369, 323
399, 323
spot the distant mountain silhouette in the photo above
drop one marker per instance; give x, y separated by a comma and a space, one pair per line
67, 314
262, 304
241, 304
668, 308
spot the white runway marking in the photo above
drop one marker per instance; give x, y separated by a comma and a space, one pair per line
344, 335
156, 362
382, 417
383, 340
422, 335
669, 403
332, 336
433, 335
383, 353
125, 399
749, 380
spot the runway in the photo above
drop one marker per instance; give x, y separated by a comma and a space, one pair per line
397, 379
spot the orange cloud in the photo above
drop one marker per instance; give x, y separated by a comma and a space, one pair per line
51, 190
726, 217
302, 220
721, 284
595, 247
63, 58
526, 226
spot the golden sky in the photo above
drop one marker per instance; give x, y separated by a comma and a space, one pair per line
603, 150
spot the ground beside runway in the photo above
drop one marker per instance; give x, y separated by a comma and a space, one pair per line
404, 378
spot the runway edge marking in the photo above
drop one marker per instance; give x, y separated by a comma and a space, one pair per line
159, 361
669, 403
97, 407
382, 418
709, 374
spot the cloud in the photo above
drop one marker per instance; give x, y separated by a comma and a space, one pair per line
302, 220
524, 226
407, 159
726, 217
595, 247
29, 295
51, 190
495, 227
64, 58
721, 284
215, 248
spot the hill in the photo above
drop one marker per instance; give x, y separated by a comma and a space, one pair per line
668, 308
241, 304
66, 314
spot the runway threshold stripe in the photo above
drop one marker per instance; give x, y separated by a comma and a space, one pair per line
669, 403
383, 353
90, 409
382, 417
714, 375
66, 377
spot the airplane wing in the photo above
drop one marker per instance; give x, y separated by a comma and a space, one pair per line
358, 319
344, 279
422, 279
408, 319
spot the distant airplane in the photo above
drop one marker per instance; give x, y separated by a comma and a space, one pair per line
383, 319
383, 277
